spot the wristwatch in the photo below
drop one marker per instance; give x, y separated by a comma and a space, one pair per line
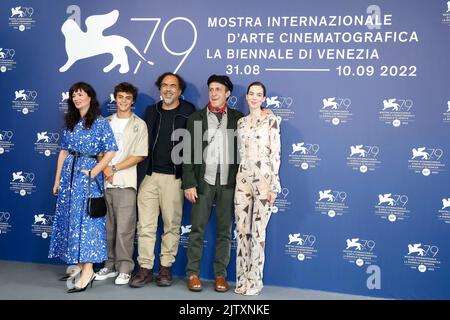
114, 169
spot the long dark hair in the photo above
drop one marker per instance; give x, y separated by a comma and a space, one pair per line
73, 115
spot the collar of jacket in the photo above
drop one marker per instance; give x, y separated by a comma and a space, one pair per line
131, 123
231, 118
179, 109
132, 117
231, 114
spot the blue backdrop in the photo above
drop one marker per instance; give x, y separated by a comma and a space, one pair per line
361, 90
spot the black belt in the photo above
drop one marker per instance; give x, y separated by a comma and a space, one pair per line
77, 154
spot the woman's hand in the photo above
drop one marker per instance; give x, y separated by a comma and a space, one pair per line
108, 172
93, 173
271, 197
55, 188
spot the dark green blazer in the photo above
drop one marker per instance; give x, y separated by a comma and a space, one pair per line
193, 173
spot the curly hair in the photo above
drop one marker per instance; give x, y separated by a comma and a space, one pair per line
126, 87
181, 83
73, 115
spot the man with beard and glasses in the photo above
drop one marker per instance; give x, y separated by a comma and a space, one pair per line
161, 188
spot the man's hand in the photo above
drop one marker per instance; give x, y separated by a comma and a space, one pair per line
266, 111
191, 194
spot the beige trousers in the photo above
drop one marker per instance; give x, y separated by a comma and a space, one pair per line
120, 228
159, 192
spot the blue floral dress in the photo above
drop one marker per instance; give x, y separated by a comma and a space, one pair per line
77, 237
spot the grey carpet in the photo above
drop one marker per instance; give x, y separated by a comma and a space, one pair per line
33, 281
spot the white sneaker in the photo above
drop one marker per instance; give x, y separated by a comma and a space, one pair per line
123, 278
105, 273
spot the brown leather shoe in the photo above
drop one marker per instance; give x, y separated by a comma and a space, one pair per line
194, 283
164, 278
221, 284
140, 278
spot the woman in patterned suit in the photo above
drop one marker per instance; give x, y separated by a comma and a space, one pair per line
77, 238
257, 185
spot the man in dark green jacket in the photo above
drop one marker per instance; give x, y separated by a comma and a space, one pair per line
209, 174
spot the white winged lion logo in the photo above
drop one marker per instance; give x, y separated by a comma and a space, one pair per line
82, 45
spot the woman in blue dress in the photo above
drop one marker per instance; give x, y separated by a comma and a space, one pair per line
77, 238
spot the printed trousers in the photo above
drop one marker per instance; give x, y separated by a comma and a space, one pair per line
253, 212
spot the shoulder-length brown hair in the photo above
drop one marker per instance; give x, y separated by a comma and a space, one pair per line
73, 115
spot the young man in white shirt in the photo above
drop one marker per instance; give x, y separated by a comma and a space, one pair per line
121, 184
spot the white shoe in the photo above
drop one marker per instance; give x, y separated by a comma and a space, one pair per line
123, 278
252, 292
239, 290
105, 273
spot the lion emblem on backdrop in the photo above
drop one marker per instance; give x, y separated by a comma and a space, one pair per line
82, 45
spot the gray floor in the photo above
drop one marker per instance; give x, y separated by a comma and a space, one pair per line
40, 281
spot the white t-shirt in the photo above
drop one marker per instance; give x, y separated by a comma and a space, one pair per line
118, 127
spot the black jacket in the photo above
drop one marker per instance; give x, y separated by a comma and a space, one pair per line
152, 118
193, 173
